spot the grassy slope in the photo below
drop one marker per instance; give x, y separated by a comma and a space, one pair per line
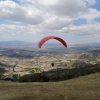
81, 88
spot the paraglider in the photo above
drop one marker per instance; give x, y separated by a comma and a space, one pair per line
52, 64
42, 41
51, 37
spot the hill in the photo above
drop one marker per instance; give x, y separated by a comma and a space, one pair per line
16, 43
24, 43
81, 88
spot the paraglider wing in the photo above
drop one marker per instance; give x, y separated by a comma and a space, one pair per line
61, 40
51, 37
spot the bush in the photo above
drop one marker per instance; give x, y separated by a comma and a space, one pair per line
79, 64
54, 77
37, 77
32, 71
1, 76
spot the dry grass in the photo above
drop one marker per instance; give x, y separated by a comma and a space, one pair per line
81, 88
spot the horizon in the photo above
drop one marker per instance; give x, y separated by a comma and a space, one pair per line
50, 42
30, 21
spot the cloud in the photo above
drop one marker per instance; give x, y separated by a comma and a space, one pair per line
90, 2
49, 17
62, 8
15, 29
12, 11
89, 30
90, 15
56, 23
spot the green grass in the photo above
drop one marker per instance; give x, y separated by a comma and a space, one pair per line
81, 88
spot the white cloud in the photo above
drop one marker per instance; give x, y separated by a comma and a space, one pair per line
10, 10
63, 8
90, 2
92, 30
86, 30
89, 30
56, 23
15, 29
90, 15
49, 16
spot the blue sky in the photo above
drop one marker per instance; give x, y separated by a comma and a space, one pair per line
75, 21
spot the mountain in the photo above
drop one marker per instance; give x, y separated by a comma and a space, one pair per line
17, 43
86, 44
24, 43
84, 47
74, 46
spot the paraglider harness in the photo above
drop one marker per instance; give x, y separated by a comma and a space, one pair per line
52, 64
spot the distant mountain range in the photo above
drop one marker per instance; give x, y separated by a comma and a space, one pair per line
17, 43
86, 44
23, 43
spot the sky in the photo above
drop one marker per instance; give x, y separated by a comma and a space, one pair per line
75, 21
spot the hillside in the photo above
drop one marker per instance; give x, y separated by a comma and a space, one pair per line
81, 88
72, 66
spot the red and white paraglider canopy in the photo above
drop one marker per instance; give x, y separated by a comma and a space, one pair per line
51, 37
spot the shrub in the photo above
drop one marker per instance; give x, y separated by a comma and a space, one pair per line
1, 76
32, 71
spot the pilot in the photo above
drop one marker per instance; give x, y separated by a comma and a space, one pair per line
52, 64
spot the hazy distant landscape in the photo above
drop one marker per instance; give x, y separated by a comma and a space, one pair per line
80, 63
15, 58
